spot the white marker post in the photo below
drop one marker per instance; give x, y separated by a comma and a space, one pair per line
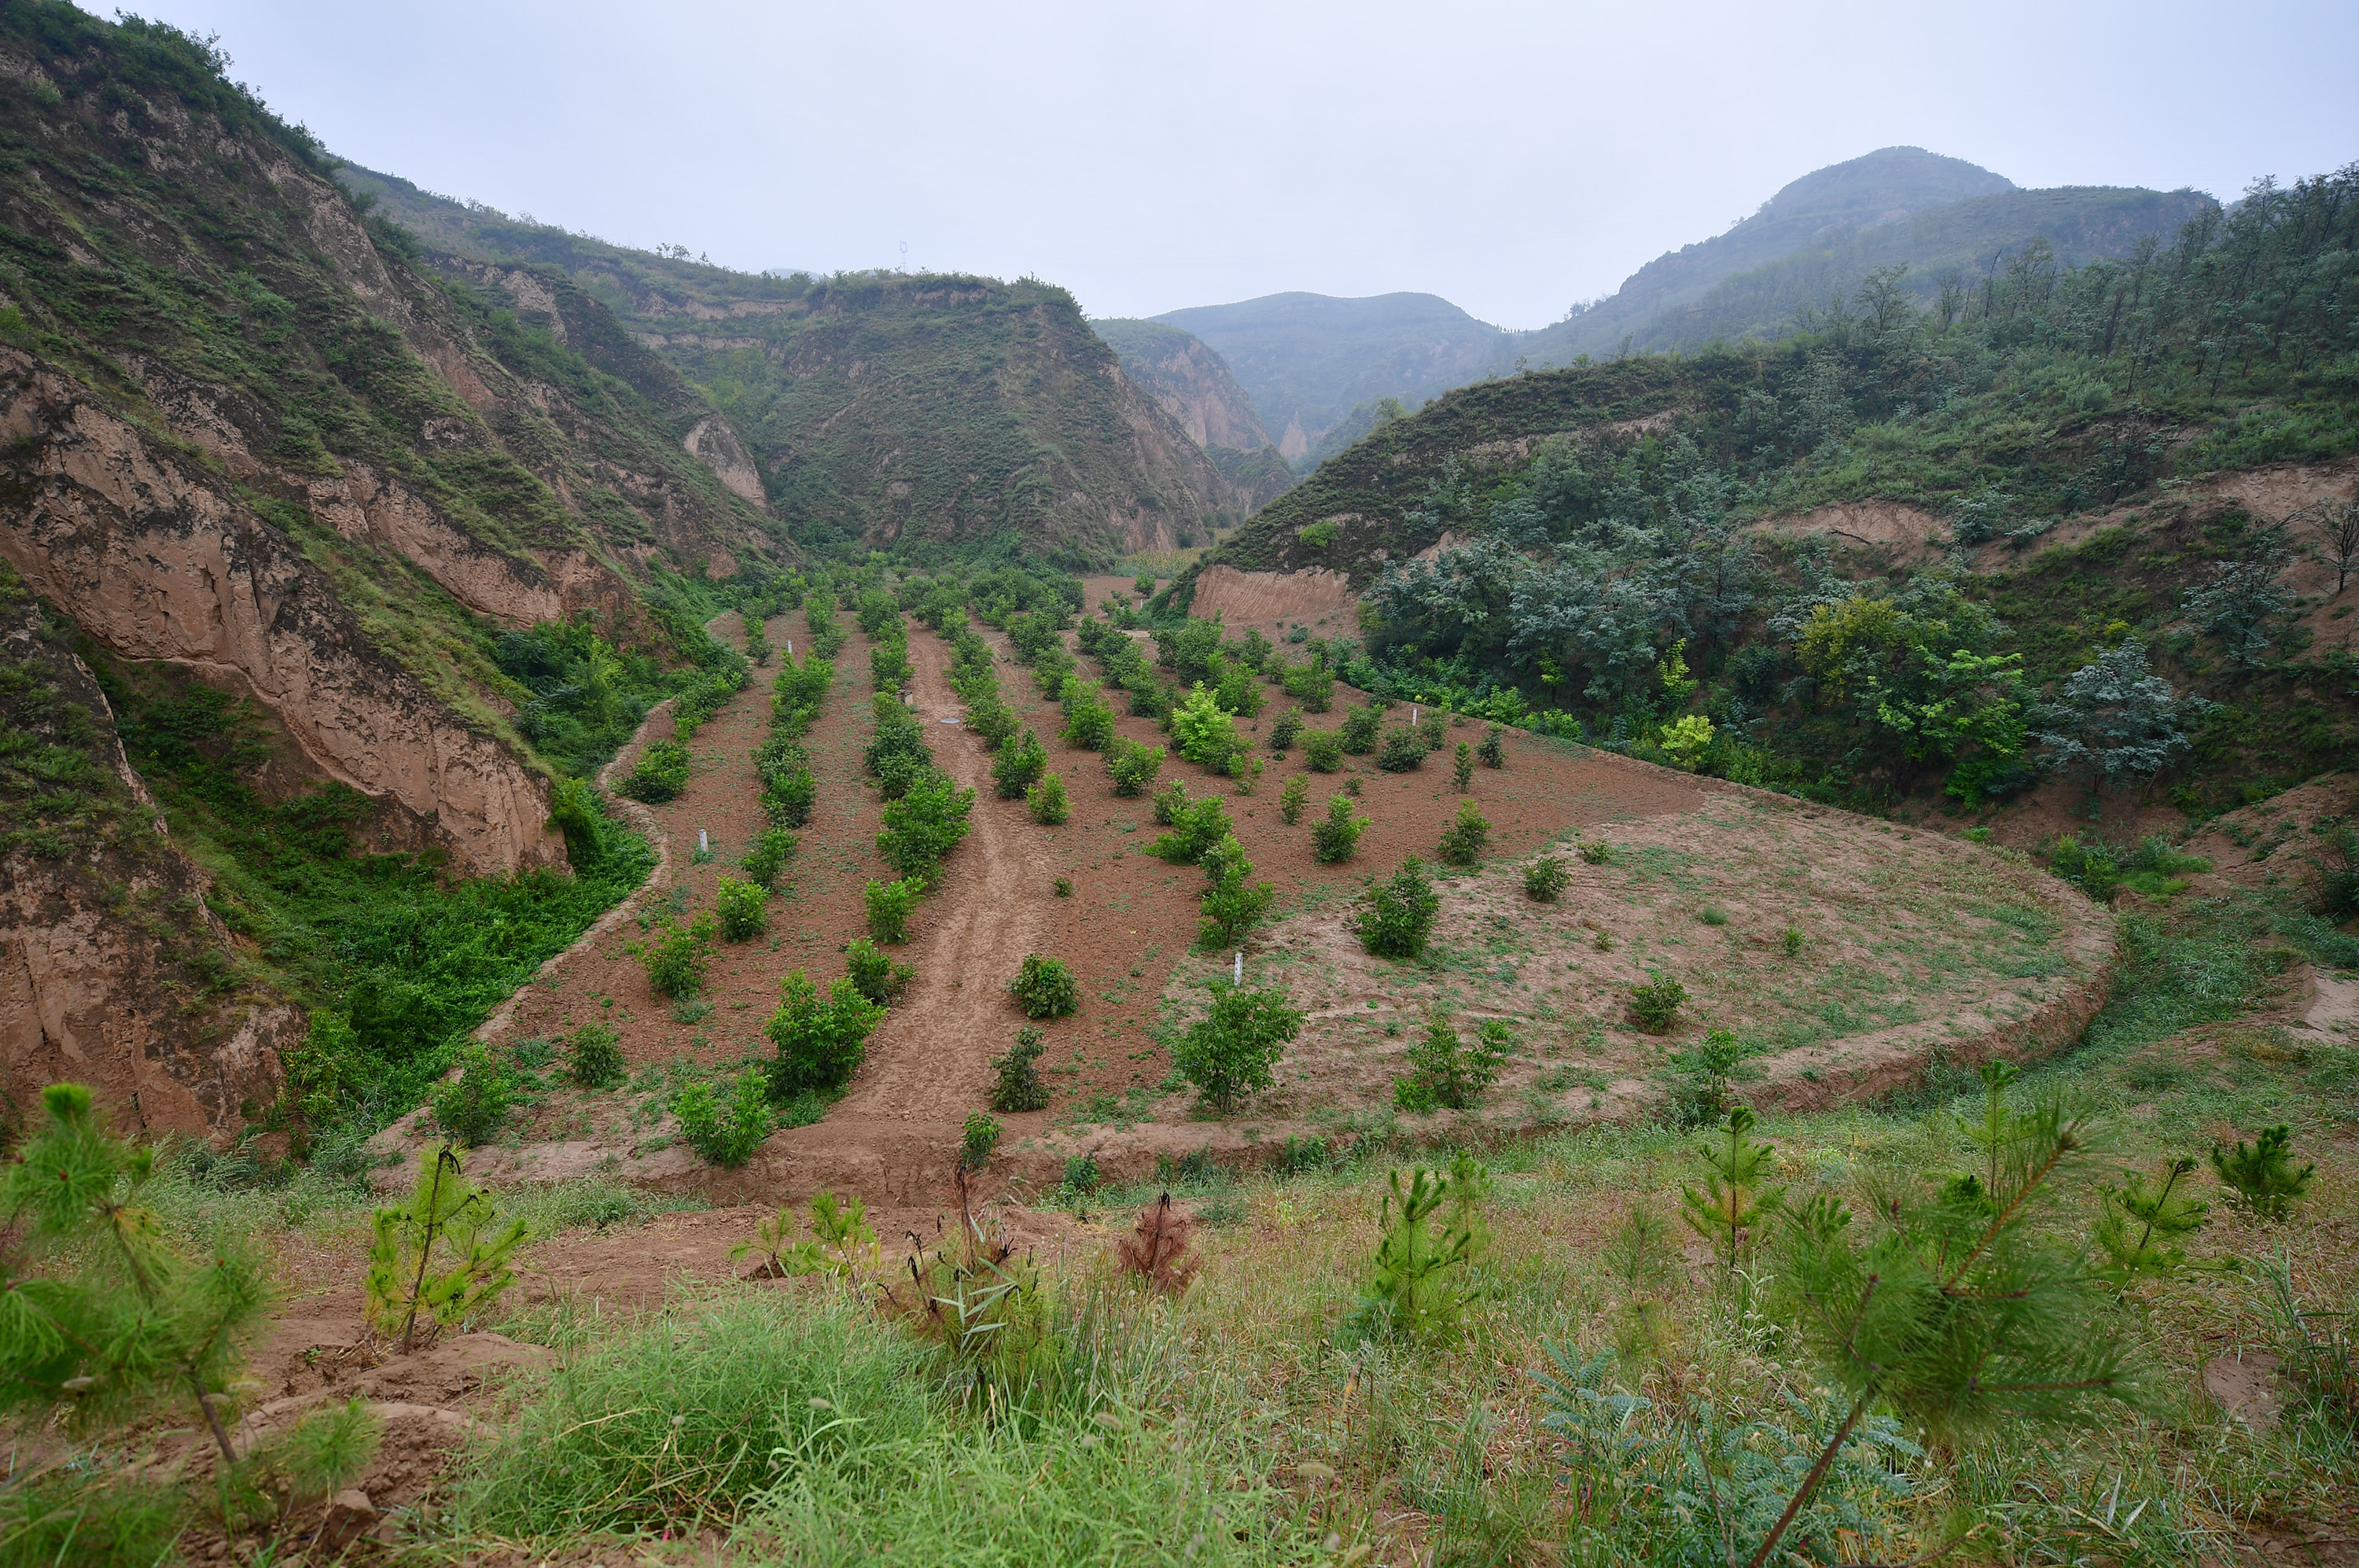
1412, 715
1240, 979
704, 844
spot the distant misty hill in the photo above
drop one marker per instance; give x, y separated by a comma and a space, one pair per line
1309, 360
1192, 383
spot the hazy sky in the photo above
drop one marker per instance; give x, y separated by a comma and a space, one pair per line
1511, 157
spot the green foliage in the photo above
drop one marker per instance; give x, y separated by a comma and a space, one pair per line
872, 972
923, 826
1205, 732
772, 848
594, 1056
1016, 1081
1401, 750
1655, 1004
1046, 800
574, 811
1170, 803
1360, 729
475, 1104
1494, 749
1019, 767
890, 906
1445, 1072
743, 907
442, 1256
2261, 1178
1596, 852
820, 1040
1230, 1052
1461, 772
977, 1141
1333, 840
1463, 840
1089, 719
1546, 879
727, 1135
1196, 829
1701, 1095
678, 956
1737, 1197
1283, 730
842, 1243
1419, 1283
1233, 903
661, 773
1399, 914
2140, 1227
1045, 988
1293, 796
1133, 766
1322, 750
109, 1316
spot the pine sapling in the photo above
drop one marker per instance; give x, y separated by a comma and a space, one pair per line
2141, 1228
2261, 1180
1737, 1198
442, 1254
1419, 1287
1463, 771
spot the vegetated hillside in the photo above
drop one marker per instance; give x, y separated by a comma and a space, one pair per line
1859, 193
1309, 360
927, 413
252, 440
1191, 382
1632, 544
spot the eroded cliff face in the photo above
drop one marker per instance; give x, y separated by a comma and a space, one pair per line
159, 560
113, 972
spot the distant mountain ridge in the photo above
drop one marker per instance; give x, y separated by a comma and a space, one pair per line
1188, 376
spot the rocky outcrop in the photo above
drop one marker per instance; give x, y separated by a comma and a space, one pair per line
713, 443
113, 972
157, 559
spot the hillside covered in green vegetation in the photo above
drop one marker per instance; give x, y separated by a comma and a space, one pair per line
926, 414
1611, 550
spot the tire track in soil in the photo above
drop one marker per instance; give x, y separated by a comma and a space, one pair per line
896, 1132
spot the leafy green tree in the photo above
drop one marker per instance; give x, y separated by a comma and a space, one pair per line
1293, 796
99, 1313
1461, 771
1133, 766
1233, 903
1016, 1077
767, 858
1333, 840
874, 974
2243, 604
743, 907
1463, 840
1046, 800
890, 906
678, 956
1494, 749
1231, 1051
1044, 988
1019, 767
1089, 719
820, 1040
1361, 728
1399, 914
923, 826
725, 1134
475, 1103
1283, 730
2115, 717
1206, 733
1446, 1072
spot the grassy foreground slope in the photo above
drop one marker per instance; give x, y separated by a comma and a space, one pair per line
920, 413
1641, 540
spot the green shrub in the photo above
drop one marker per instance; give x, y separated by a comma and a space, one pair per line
1461, 772
1089, 719
678, 956
1313, 686
787, 802
979, 1136
726, 1135
1283, 730
1046, 800
1233, 1051
1133, 766
594, 1056
2092, 867
475, 1104
1419, 1288
1019, 767
1655, 1005
891, 905
1170, 803
1322, 750
1016, 1081
1081, 1174
1293, 796
1400, 913
1402, 750
1546, 879
923, 826
1233, 903
69, 1517
1462, 842
1197, 829
1044, 988
772, 847
1332, 841
992, 719
573, 811
874, 974
1494, 749
1701, 1093
661, 774
1317, 536
1360, 729
1205, 733
1445, 1073
2262, 1180
745, 909
820, 1040
1596, 852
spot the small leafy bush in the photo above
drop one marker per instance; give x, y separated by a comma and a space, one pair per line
1400, 913
679, 957
787, 801
820, 1040
442, 1255
1493, 750
1789, 941
1019, 767
1445, 1073
1462, 767
1596, 852
1283, 730
1462, 841
1081, 1174
1197, 830
1293, 796
768, 856
594, 1056
727, 1135
1655, 1005
891, 905
1360, 729
1044, 988
1046, 800
1089, 718
1206, 731
1016, 1083
2261, 1180
1401, 750
979, 1136
475, 1104
1322, 750
1546, 879
745, 909
923, 826
1133, 766
1232, 904
661, 774
872, 972
1313, 686
1230, 1052
1332, 841
1170, 803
